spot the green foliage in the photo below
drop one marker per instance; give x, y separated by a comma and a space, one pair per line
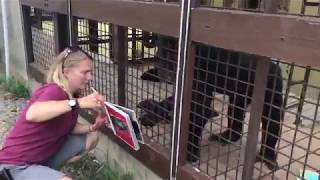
14, 86
89, 168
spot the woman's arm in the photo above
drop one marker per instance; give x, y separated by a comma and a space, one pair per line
46, 110
43, 111
82, 128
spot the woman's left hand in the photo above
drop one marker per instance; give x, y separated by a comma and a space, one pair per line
101, 120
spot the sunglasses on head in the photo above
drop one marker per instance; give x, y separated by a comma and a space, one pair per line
72, 49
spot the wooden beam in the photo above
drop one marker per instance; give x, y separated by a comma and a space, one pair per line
290, 38
155, 17
59, 6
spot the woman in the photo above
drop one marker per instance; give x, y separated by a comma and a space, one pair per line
47, 133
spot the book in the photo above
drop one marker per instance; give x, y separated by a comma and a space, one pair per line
135, 124
126, 126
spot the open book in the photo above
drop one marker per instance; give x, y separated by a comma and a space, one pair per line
123, 122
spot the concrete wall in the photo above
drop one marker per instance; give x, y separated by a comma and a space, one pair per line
111, 152
17, 53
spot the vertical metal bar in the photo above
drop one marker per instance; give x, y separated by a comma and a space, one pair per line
284, 6
134, 43
70, 23
93, 36
228, 3
121, 55
142, 44
260, 84
302, 95
303, 6
271, 6
60, 32
243, 4
180, 79
74, 33
319, 9
286, 97
311, 136
27, 33
111, 40
38, 15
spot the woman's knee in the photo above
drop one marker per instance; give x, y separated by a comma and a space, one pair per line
92, 140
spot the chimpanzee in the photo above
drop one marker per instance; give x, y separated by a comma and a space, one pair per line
226, 72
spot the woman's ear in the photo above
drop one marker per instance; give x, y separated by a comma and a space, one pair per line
66, 72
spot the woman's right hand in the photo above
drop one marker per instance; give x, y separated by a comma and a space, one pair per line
91, 101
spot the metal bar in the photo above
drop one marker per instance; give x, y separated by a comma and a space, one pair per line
38, 18
303, 6
179, 90
311, 136
93, 36
70, 22
27, 33
260, 84
319, 9
286, 97
60, 32
302, 95
271, 6
134, 43
74, 32
121, 56
312, 3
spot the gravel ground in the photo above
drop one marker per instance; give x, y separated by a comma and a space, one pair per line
10, 107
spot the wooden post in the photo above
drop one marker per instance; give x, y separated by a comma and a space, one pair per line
60, 32
27, 33
120, 45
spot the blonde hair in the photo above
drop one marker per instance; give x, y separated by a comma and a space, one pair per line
66, 59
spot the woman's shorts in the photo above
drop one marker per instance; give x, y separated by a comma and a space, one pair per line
74, 145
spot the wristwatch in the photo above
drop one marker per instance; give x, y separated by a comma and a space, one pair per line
73, 103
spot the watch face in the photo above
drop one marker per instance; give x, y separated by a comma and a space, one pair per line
72, 102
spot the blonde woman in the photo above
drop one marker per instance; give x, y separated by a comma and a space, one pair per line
47, 133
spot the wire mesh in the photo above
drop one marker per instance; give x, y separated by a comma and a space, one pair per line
95, 38
149, 91
298, 147
222, 90
43, 38
143, 86
221, 96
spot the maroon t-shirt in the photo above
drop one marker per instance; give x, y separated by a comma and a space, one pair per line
36, 142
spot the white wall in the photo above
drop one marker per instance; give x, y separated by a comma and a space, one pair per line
17, 53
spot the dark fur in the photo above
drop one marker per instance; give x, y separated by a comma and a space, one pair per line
230, 76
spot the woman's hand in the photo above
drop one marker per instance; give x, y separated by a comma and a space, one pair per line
92, 101
101, 120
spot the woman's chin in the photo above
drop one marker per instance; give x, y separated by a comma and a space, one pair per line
82, 87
